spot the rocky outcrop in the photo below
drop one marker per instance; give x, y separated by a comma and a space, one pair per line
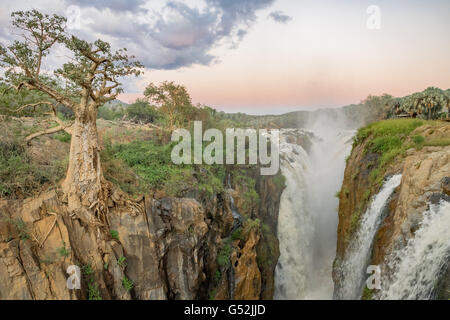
160, 251
165, 248
425, 179
247, 275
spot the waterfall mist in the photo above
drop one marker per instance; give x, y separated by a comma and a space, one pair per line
308, 218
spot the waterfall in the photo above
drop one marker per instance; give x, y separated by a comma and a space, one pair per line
417, 266
307, 221
294, 224
353, 268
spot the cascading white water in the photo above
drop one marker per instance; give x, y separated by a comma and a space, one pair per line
416, 267
295, 225
308, 218
353, 269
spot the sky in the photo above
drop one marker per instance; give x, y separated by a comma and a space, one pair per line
268, 56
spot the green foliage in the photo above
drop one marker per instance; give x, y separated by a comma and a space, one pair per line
114, 234
63, 251
20, 177
122, 262
418, 139
93, 289
110, 113
249, 196
212, 294
367, 294
11, 100
280, 181
366, 195
127, 283
432, 103
153, 165
142, 112
21, 228
398, 128
438, 142
223, 256
63, 137
237, 234
217, 277
388, 139
265, 228
150, 161
251, 224
354, 220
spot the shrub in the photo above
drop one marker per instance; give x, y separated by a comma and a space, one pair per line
19, 176
114, 234
438, 142
127, 283
418, 139
223, 257
237, 235
110, 113
144, 113
122, 262
62, 251
63, 137
93, 290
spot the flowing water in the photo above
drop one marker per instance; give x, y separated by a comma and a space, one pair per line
417, 266
307, 228
353, 269
308, 217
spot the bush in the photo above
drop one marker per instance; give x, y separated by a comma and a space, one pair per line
93, 290
223, 257
114, 234
142, 112
127, 283
438, 143
418, 139
110, 113
63, 137
19, 176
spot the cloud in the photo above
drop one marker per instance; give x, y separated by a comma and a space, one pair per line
165, 34
177, 34
279, 16
116, 5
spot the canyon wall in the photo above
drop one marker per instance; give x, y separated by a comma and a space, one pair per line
424, 168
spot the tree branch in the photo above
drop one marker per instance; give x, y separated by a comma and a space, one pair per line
47, 131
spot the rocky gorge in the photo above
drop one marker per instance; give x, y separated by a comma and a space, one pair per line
422, 170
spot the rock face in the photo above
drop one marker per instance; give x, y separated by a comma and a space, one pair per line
425, 179
247, 274
162, 249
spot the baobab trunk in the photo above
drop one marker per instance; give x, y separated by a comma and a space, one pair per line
83, 183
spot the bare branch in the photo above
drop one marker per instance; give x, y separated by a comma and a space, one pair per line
47, 131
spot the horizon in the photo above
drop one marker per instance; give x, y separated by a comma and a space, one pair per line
268, 56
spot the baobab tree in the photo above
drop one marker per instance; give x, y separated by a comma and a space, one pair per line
89, 78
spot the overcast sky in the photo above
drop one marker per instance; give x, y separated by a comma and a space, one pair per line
269, 56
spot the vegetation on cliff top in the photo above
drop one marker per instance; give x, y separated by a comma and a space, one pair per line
389, 140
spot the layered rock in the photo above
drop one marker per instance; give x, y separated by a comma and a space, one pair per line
425, 179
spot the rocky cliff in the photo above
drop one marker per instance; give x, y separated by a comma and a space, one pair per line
204, 244
418, 150
162, 249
